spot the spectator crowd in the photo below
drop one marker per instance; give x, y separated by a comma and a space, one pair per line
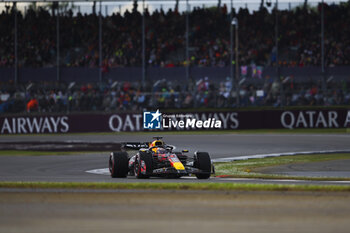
165, 36
162, 94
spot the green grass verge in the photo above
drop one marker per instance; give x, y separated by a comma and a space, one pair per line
178, 186
40, 153
247, 168
205, 132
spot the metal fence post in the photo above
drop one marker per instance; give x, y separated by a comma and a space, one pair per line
16, 43
143, 45
237, 66
100, 41
231, 46
187, 43
277, 58
58, 42
324, 85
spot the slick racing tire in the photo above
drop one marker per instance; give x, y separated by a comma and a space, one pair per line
143, 165
202, 161
118, 164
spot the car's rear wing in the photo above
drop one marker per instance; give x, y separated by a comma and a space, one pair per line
135, 145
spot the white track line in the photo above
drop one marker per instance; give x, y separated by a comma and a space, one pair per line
260, 156
285, 180
105, 171
101, 171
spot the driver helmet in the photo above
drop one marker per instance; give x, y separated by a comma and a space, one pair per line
156, 143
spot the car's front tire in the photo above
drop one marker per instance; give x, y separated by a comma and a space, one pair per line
202, 162
143, 165
118, 164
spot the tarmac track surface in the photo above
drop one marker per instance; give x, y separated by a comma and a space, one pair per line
167, 211
57, 210
73, 168
218, 145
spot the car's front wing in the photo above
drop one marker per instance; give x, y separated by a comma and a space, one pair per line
171, 170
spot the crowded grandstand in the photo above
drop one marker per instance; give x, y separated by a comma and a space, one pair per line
299, 46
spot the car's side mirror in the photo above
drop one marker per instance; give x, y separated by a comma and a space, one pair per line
184, 151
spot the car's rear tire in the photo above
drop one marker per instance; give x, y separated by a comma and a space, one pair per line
143, 159
118, 164
202, 161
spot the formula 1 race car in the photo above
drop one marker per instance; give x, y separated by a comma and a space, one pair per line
158, 159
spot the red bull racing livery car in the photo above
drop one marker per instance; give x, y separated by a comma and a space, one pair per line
158, 159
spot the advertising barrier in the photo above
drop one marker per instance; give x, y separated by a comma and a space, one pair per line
122, 122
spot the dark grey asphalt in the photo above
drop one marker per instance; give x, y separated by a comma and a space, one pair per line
221, 145
73, 168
